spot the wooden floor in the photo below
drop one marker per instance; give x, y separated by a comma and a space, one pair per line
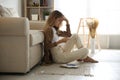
108, 68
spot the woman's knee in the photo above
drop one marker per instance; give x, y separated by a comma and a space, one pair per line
86, 51
75, 35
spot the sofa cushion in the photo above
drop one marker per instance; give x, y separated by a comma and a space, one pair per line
36, 36
8, 12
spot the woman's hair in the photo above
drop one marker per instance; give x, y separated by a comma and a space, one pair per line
52, 18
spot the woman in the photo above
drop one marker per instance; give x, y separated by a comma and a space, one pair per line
60, 50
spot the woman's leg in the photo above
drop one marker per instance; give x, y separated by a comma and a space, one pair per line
74, 40
67, 57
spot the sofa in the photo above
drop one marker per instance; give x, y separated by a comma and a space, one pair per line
20, 44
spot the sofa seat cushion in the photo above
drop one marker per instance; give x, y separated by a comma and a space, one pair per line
36, 37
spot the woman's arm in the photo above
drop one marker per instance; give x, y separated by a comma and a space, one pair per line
65, 39
48, 44
66, 33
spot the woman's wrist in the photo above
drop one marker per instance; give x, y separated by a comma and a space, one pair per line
67, 24
57, 42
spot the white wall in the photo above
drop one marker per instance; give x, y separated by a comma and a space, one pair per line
16, 4
106, 11
73, 10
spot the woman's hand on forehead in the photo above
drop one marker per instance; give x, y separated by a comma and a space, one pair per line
65, 19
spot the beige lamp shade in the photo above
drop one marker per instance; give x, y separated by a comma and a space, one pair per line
92, 25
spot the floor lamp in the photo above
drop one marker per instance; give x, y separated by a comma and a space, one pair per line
92, 24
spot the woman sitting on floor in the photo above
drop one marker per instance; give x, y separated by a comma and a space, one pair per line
60, 50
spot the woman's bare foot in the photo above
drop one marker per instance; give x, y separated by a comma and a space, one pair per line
88, 59
79, 59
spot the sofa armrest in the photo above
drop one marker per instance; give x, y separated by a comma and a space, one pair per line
14, 26
36, 25
14, 45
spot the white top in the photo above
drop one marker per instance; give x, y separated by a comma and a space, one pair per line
55, 36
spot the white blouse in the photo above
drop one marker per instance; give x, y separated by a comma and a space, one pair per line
55, 36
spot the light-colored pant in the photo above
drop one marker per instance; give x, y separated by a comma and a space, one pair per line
66, 54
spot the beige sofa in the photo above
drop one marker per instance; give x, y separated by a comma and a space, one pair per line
20, 44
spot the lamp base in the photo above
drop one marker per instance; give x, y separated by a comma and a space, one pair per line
92, 45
